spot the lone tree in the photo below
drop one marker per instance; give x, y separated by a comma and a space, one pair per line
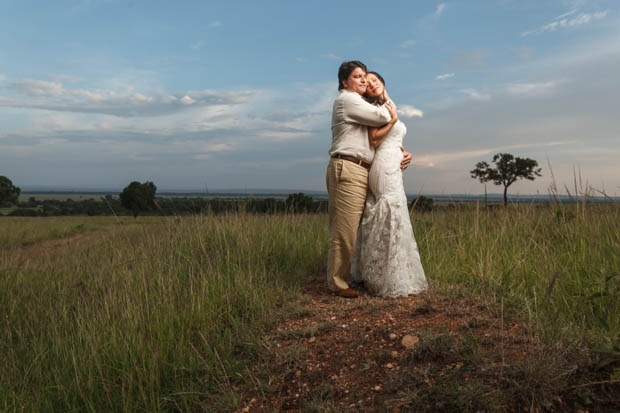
138, 197
506, 171
9, 193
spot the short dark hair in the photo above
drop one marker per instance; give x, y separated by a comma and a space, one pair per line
345, 70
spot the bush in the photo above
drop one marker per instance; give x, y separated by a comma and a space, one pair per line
422, 203
25, 212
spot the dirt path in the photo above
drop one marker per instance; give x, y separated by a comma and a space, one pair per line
336, 354
58, 245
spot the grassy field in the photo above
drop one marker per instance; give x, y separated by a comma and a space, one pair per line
161, 314
18, 231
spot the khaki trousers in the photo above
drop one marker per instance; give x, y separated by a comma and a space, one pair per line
347, 185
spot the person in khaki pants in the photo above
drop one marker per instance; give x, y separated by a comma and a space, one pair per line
347, 173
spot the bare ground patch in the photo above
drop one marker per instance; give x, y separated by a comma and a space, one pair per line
335, 354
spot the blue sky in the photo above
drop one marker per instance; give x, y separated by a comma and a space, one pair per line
238, 94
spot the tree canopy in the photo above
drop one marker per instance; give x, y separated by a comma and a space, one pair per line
9, 193
508, 169
138, 197
299, 202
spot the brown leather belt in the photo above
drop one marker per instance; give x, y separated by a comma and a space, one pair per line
352, 159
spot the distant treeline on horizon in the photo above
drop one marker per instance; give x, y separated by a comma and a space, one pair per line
176, 205
318, 195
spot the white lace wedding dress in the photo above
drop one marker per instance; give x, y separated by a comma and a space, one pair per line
386, 256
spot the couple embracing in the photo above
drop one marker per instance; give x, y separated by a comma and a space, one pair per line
371, 239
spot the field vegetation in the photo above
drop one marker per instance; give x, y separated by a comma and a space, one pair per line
143, 203
170, 313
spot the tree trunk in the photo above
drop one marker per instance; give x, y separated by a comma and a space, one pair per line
505, 195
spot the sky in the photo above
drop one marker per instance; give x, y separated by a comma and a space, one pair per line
238, 94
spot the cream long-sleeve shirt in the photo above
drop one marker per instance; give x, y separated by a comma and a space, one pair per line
351, 117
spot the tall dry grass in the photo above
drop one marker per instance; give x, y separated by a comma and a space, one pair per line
148, 317
167, 314
558, 266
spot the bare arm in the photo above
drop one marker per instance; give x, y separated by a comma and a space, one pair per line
376, 135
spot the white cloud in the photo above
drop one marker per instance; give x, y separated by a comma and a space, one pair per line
198, 45
439, 158
577, 114
568, 13
283, 135
208, 150
531, 89
433, 159
196, 132
409, 111
475, 95
67, 78
444, 76
332, 56
516, 89
35, 87
562, 22
51, 95
407, 43
440, 8
300, 59
215, 23
186, 100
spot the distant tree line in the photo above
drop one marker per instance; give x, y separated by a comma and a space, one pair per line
110, 205
139, 198
171, 206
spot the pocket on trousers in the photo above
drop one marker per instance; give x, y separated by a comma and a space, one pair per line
343, 171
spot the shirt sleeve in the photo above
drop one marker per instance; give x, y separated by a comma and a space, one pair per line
359, 111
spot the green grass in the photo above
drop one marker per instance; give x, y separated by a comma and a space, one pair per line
22, 231
148, 317
558, 266
162, 314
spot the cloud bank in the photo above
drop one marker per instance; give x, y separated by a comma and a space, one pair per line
53, 96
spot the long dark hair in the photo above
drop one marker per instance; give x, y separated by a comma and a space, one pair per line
375, 100
345, 70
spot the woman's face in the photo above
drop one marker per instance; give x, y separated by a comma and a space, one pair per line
356, 81
375, 87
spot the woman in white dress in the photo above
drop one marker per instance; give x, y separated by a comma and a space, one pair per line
386, 257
